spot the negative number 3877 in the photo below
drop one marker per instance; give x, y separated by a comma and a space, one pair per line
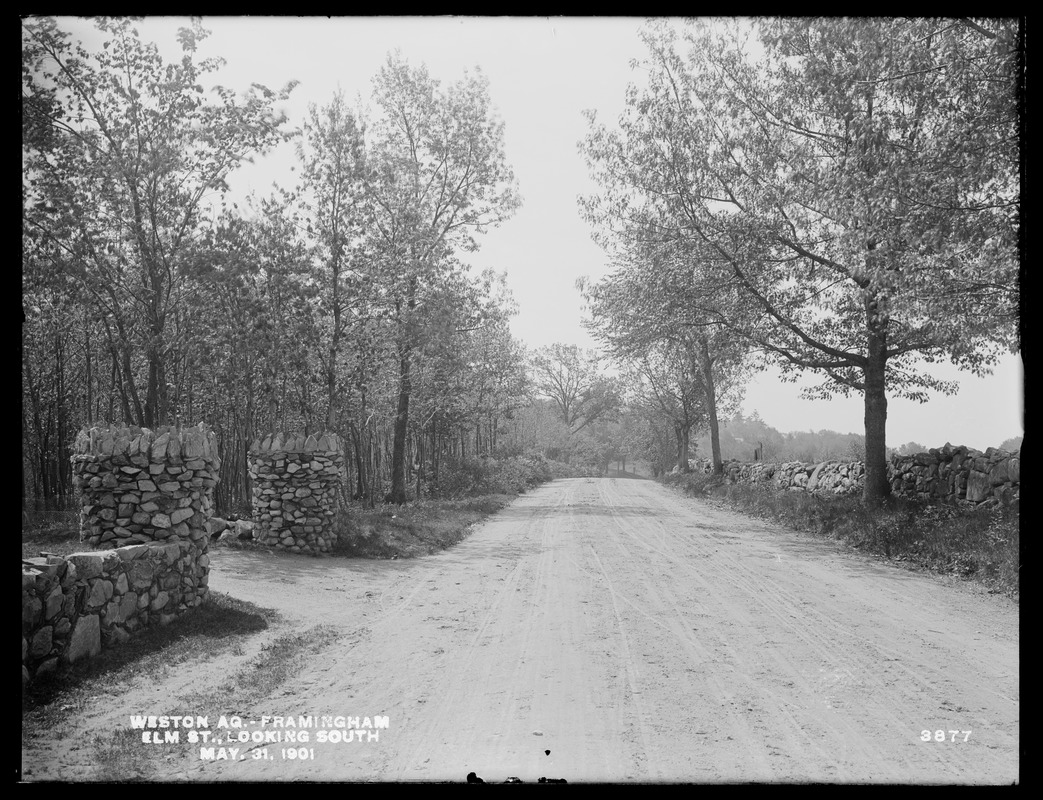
942, 736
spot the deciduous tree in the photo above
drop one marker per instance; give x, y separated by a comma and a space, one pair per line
851, 187
120, 153
573, 380
438, 178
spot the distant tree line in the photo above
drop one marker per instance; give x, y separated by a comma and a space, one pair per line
743, 438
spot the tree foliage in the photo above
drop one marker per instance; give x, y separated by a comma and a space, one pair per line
846, 189
437, 179
120, 151
338, 302
572, 379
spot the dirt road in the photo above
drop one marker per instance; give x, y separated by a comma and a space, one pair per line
610, 630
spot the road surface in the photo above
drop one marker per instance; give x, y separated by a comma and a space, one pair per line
610, 630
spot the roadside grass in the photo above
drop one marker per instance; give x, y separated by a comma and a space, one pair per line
415, 529
123, 757
978, 544
418, 528
60, 537
218, 628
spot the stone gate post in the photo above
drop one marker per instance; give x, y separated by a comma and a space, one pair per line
295, 483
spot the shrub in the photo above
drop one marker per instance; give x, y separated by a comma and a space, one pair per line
473, 476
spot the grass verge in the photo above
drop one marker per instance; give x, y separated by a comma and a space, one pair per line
216, 627
978, 544
122, 757
415, 529
418, 528
213, 628
60, 538
219, 626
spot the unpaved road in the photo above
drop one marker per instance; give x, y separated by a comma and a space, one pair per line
637, 636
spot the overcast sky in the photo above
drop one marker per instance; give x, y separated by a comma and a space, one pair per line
543, 72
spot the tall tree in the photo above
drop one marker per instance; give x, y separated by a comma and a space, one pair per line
254, 335
438, 177
650, 308
332, 155
573, 380
120, 154
852, 187
670, 377
56, 366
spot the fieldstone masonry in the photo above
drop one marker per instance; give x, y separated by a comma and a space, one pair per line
146, 501
959, 474
73, 606
295, 480
141, 486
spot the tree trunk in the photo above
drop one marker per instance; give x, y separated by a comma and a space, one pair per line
114, 382
61, 462
356, 446
398, 453
373, 460
877, 486
405, 389
123, 376
434, 445
419, 462
706, 363
334, 348
156, 390
34, 396
89, 401
248, 433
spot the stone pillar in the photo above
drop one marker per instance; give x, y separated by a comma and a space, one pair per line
139, 486
295, 480
146, 498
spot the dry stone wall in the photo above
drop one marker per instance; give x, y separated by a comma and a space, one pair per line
146, 498
833, 477
138, 485
75, 605
958, 474
295, 483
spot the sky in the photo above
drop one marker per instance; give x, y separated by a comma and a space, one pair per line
543, 73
